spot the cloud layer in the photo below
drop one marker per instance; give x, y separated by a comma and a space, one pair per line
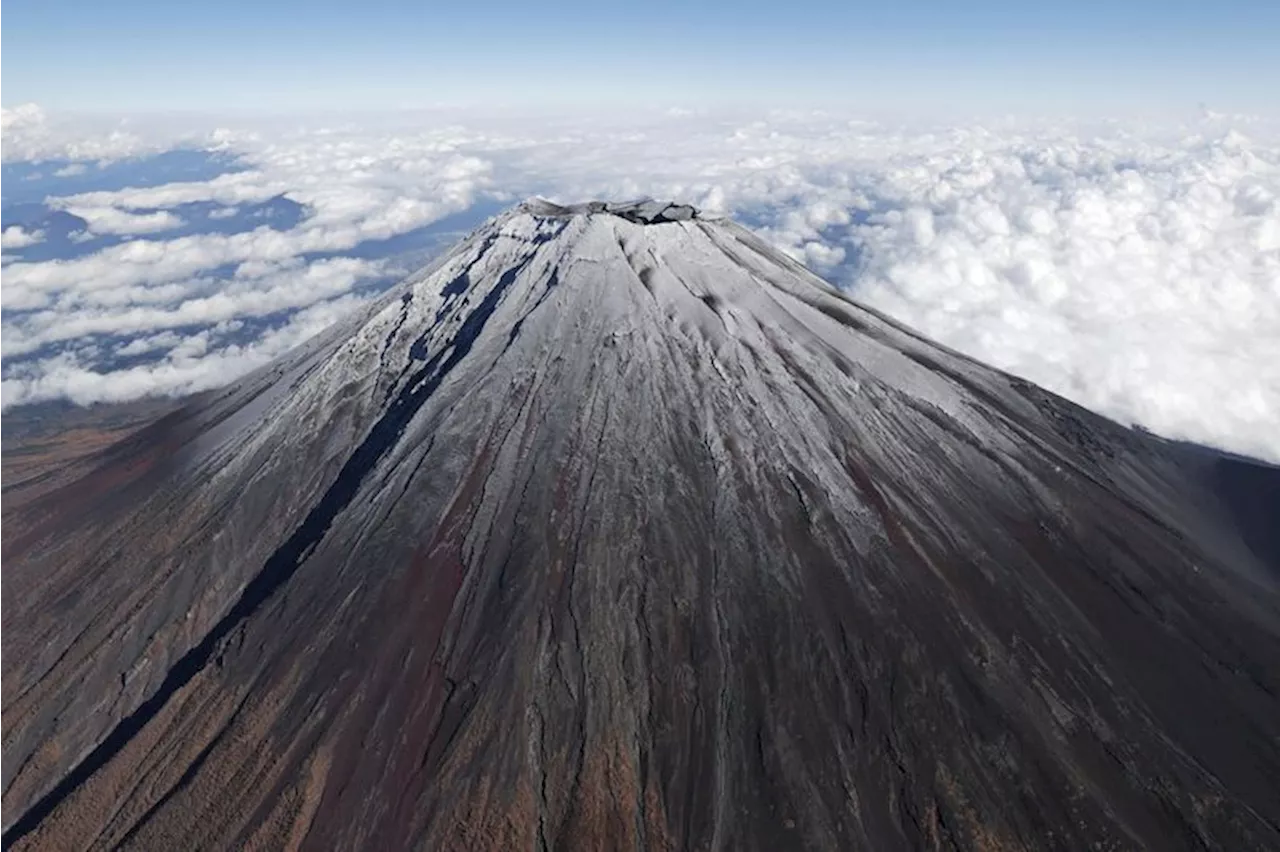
1134, 270
1148, 289
17, 237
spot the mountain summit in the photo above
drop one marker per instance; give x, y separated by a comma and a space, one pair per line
616, 528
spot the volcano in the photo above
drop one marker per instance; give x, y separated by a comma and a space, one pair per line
618, 529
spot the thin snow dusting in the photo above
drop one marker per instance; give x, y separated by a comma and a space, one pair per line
715, 320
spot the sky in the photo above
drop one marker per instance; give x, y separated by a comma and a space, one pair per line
934, 55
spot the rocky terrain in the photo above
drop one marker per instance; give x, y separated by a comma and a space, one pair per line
616, 528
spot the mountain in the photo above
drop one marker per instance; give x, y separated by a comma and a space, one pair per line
617, 528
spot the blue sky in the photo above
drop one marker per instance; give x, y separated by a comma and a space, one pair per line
993, 54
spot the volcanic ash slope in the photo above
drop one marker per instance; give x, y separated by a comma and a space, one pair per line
619, 529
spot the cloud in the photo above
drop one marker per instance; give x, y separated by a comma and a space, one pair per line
193, 364
181, 304
1133, 269
21, 117
263, 290
112, 220
1144, 284
246, 187
32, 134
16, 237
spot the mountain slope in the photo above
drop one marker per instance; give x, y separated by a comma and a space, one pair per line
617, 528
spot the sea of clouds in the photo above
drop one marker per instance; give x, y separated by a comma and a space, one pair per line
1132, 267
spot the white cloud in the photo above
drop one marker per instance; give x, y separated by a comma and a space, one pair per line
22, 117
1144, 284
112, 220
1135, 270
72, 170
245, 187
30, 135
16, 237
150, 343
191, 365
263, 290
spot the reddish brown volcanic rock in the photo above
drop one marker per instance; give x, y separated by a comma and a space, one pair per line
617, 529
46, 446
